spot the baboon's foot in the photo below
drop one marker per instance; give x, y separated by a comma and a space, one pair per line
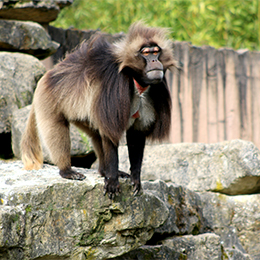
72, 175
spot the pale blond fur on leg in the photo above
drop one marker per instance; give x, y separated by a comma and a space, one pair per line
31, 149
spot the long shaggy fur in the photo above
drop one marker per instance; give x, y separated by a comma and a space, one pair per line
93, 87
139, 36
31, 149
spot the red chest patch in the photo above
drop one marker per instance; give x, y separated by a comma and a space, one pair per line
136, 114
140, 91
139, 88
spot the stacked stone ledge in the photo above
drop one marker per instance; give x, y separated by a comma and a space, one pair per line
199, 201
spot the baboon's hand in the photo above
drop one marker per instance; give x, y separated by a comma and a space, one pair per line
111, 187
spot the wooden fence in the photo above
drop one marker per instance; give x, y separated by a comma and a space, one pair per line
215, 94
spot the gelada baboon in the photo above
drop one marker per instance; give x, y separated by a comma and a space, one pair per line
104, 89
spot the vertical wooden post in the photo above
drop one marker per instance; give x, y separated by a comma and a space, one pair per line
197, 80
255, 83
212, 93
173, 79
232, 103
243, 77
185, 94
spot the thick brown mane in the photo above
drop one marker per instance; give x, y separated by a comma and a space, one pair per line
113, 103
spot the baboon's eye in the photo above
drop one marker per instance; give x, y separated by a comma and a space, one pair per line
145, 51
156, 50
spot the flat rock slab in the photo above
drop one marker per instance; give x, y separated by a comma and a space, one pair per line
43, 215
40, 11
26, 37
230, 167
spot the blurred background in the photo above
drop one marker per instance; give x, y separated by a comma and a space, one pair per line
218, 23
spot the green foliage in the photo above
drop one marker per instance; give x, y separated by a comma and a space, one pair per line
85, 139
218, 23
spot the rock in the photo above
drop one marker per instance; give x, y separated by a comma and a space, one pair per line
78, 145
184, 206
230, 167
232, 245
205, 246
26, 37
70, 38
232, 248
151, 253
38, 11
19, 74
234, 254
231, 217
45, 216
216, 216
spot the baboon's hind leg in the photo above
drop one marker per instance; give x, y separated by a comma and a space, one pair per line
56, 137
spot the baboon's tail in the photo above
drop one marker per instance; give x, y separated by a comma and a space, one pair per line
31, 149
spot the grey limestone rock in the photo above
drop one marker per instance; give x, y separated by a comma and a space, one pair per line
236, 220
19, 74
44, 215
230, 167
41, 11
205, 246
26, 37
